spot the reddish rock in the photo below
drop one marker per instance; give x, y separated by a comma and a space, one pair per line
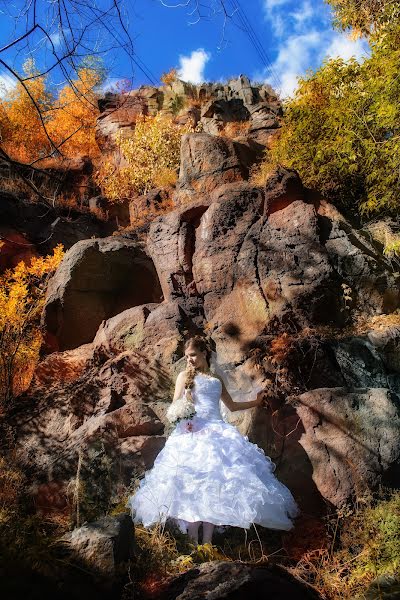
118, 112
351, 438
235, 581
151, 203
282, 188
108, 404
102, 278
111, 392
207, 162
63, 367
14, 248
152, 328
51, 498
38, 228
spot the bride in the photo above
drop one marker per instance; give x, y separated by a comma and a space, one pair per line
208, 473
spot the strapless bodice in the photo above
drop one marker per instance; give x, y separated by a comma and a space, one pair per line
206, 394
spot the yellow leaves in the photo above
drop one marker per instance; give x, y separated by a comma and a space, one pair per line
69, 119
22, 295
152, 154
169, 77
75, 113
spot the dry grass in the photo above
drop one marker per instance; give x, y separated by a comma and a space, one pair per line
378, 323
235, 129
261, 172
147, 215
166, 178
365, 544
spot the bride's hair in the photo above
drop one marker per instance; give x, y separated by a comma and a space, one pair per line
200, 343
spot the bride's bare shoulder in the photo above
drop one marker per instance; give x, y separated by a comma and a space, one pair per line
181, 376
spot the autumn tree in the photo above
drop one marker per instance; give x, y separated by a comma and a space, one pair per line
169, 77
22, 294
22, 134
58, 35
75, 111
341, 128
364, 16
152, 154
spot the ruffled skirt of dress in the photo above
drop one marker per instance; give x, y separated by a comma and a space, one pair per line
213, 474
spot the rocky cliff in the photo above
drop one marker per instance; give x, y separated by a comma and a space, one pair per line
277, 278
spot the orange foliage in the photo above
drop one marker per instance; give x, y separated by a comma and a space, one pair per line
22, 293
22, 133
75, 113
71, 116
280, 348
170, 77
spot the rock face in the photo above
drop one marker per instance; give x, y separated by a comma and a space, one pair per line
242, 264
373, 285
103, 401
236, 101
30, 228
117, 114
103, 278
207, 162
351, 437
234, 581
102, 546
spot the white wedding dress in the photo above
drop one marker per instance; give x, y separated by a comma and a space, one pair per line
208, 471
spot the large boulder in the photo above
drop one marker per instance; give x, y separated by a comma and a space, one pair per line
96, 279
102, 546
108, 396
224, 580
101, 414
351, 438
257, 269
331, 444
30, 228
373, 286
207, 162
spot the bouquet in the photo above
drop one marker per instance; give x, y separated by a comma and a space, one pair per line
181, 409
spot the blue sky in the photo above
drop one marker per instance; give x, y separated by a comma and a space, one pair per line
295, 35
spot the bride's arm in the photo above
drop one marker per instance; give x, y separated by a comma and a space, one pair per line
232, 405
179, 386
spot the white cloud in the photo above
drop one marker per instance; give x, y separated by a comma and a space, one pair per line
345, 48
56, 39
293, 59
304, 34
303, 14
271, 4
7, 83
192, 67
290, 16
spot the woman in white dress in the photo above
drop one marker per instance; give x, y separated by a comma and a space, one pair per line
207, 471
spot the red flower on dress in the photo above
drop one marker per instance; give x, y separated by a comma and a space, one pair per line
189, 426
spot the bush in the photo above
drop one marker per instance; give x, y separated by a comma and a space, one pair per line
22, 294
340, 130
365, 545
152, 154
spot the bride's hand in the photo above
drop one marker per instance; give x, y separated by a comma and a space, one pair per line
259, 401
